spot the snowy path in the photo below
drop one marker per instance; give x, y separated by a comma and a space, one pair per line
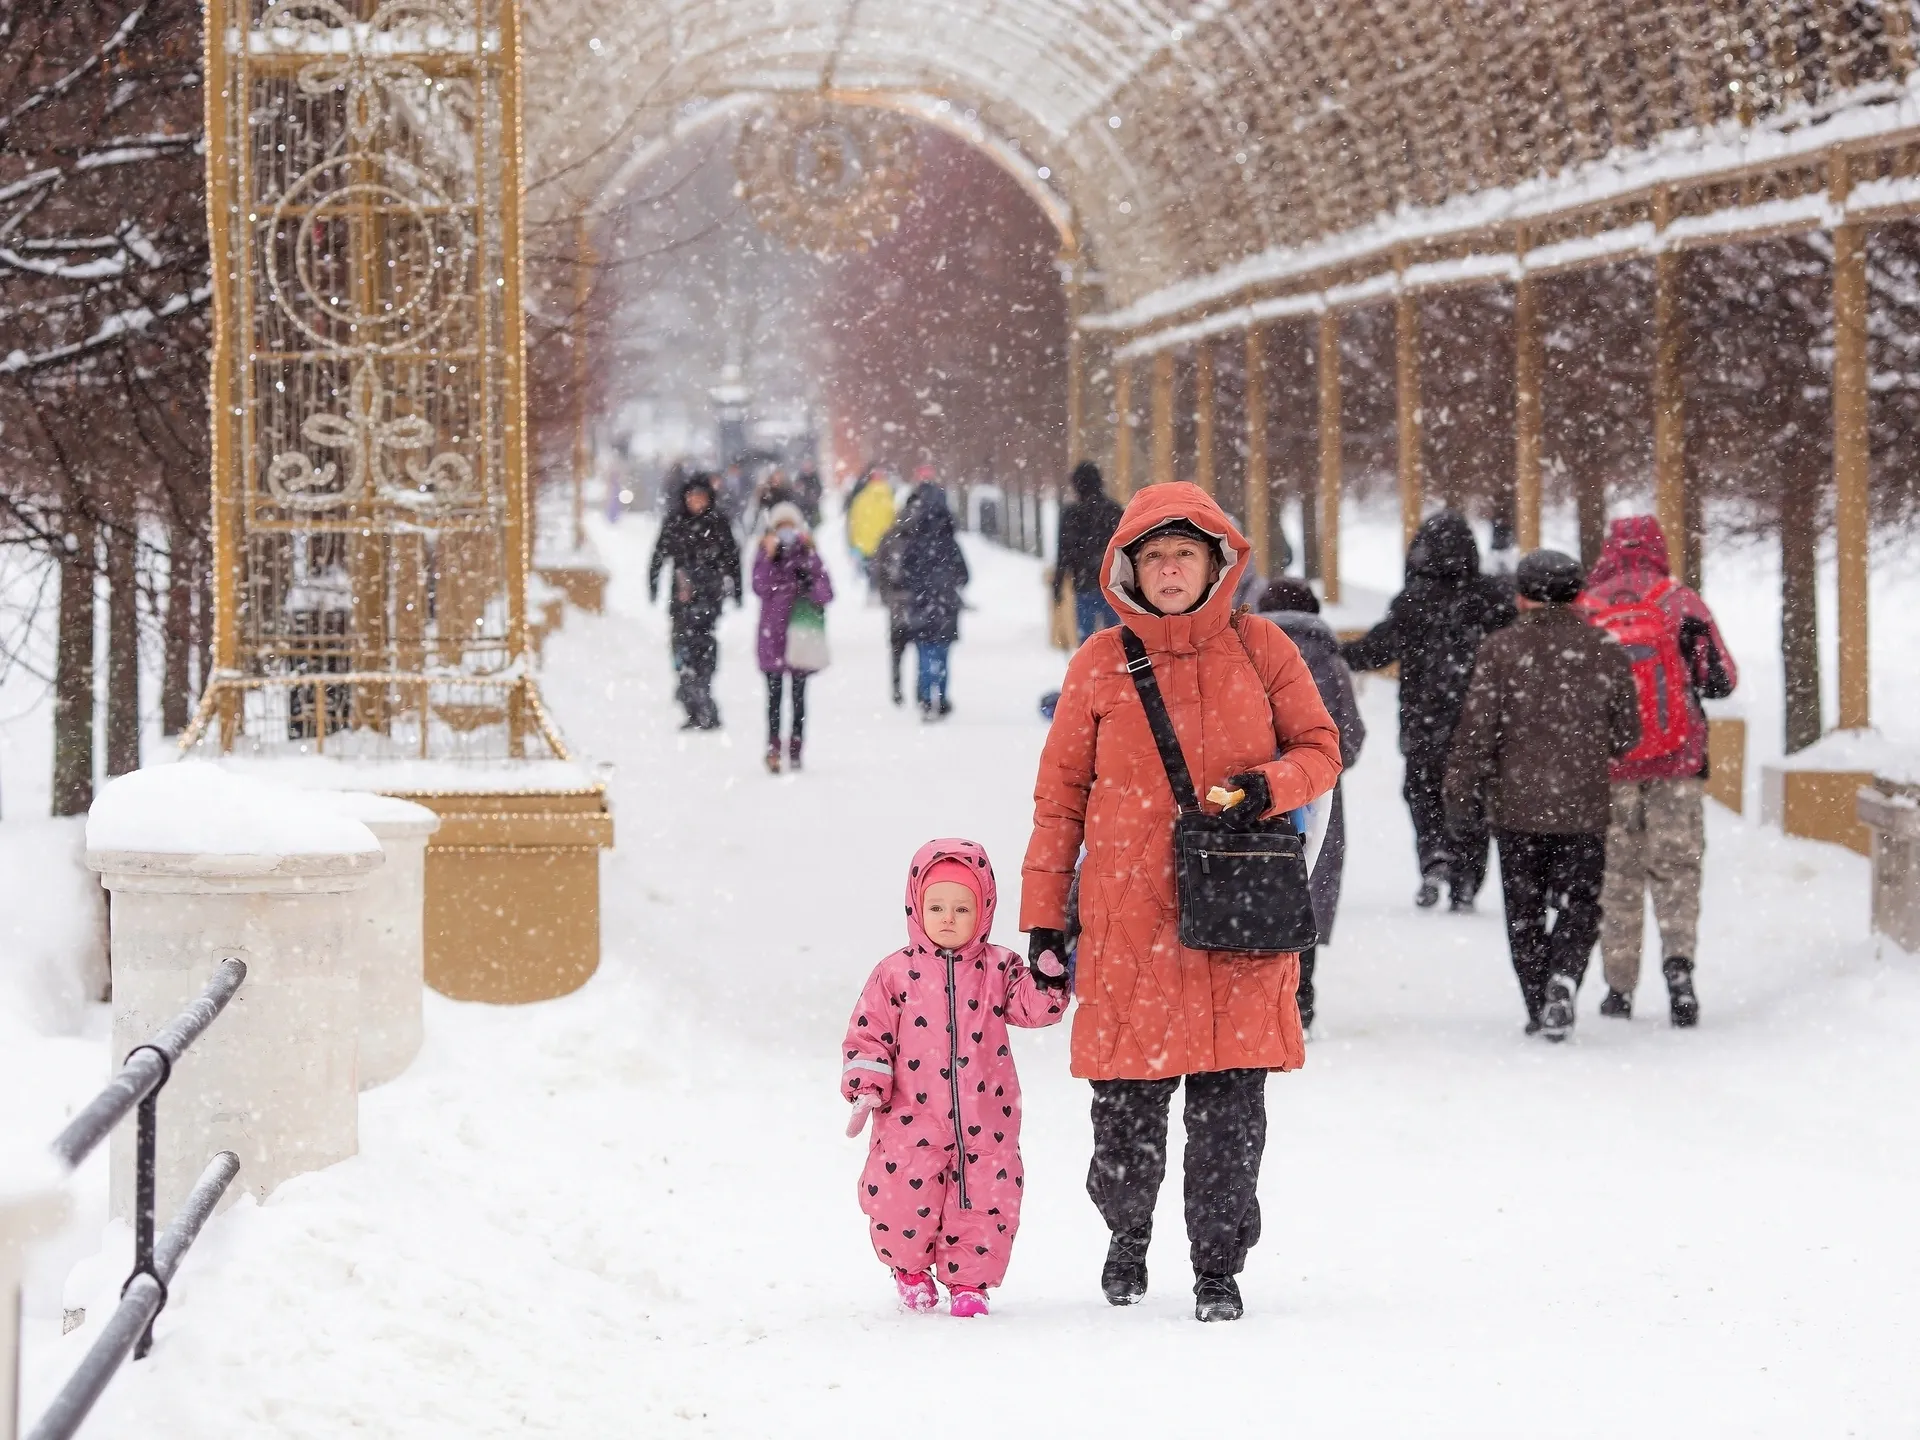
630, 1212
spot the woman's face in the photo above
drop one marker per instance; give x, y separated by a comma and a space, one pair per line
1174, 571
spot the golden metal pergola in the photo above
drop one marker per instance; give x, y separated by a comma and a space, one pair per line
370, 517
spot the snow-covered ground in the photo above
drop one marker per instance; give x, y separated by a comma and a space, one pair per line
631, 1211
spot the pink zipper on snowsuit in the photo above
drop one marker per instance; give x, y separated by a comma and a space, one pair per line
942, 1183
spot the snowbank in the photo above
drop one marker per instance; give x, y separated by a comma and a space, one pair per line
1860, 750
53, 940
417, 777
27, 1169
199, 808
371, 809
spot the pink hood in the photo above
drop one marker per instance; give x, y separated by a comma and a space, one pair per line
928, 1043
1634, 558
969, 854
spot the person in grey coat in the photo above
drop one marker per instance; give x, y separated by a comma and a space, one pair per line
1296, 610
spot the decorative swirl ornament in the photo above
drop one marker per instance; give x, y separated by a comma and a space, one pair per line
826, 178
371, 66
368, 439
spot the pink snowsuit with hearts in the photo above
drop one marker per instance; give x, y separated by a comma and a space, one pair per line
929, 1039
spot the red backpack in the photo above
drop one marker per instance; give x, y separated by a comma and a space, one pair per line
1660, 675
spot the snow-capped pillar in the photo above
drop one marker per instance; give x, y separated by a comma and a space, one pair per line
1203, 416
202, 865
1332, 455
389, 932
1123, 428
1259, 498
1160, 400
33, 1202
1406, 404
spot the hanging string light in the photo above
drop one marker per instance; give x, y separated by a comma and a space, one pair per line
826, 178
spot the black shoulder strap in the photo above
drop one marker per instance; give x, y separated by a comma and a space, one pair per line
1140, 667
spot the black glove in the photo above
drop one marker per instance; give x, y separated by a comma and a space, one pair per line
1048, 942
1695, 636
1259, 798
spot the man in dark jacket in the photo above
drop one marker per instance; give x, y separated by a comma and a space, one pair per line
706, 570
1296, 610
1551, 704
1086, 525
1433, 632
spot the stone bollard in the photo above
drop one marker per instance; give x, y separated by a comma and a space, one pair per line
201, 865
391, 937
33, 1203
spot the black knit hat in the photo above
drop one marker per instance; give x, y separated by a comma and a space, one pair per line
1287, 593
1179, 525
1549, 577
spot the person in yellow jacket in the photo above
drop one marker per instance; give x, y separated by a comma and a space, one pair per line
869, 516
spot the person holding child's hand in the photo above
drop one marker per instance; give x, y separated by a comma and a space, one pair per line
927, 1056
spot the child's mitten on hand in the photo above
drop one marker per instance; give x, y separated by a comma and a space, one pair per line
864, 1104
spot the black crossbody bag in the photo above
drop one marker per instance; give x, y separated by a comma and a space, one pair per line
1237, 888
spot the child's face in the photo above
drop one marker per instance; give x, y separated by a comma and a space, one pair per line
949, 914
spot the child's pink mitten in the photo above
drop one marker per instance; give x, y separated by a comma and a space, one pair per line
864, 1104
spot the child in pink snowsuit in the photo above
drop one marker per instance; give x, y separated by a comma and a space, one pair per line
927, 1052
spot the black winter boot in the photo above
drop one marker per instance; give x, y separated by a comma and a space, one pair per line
1556, 1012
1216, 1297
1682, 1004
1617, 1006
1428, 895
1124, 1277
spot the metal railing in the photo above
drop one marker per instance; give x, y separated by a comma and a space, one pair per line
137, 1086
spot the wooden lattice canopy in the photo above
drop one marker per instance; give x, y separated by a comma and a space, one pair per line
1188, 140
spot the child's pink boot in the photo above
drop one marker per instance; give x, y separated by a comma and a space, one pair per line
967, 1302
916, 1291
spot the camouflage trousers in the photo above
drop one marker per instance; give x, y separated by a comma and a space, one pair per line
1656, 841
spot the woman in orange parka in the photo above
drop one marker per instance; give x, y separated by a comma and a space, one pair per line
1152, 1012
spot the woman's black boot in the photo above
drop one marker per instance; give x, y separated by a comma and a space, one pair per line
1124, 1276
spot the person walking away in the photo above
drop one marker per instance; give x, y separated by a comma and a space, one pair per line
890, 578
1291, 605
934, 572
1153, 1015
1433, 631
700, 544
1551, 704
808, 493
774, 490
1657, 838
1087, 523
926, 1053
869, 516
786, 570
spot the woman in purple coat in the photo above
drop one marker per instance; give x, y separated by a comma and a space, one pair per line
786, 570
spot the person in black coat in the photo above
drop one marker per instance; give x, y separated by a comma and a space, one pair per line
1086, 525
1433, 632
807, 493
1296, 610
706, 570
931, 571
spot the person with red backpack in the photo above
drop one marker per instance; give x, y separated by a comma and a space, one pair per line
1656, 838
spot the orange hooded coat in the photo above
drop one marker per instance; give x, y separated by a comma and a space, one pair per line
1238, 694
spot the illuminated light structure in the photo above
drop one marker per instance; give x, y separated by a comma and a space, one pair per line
371, 516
